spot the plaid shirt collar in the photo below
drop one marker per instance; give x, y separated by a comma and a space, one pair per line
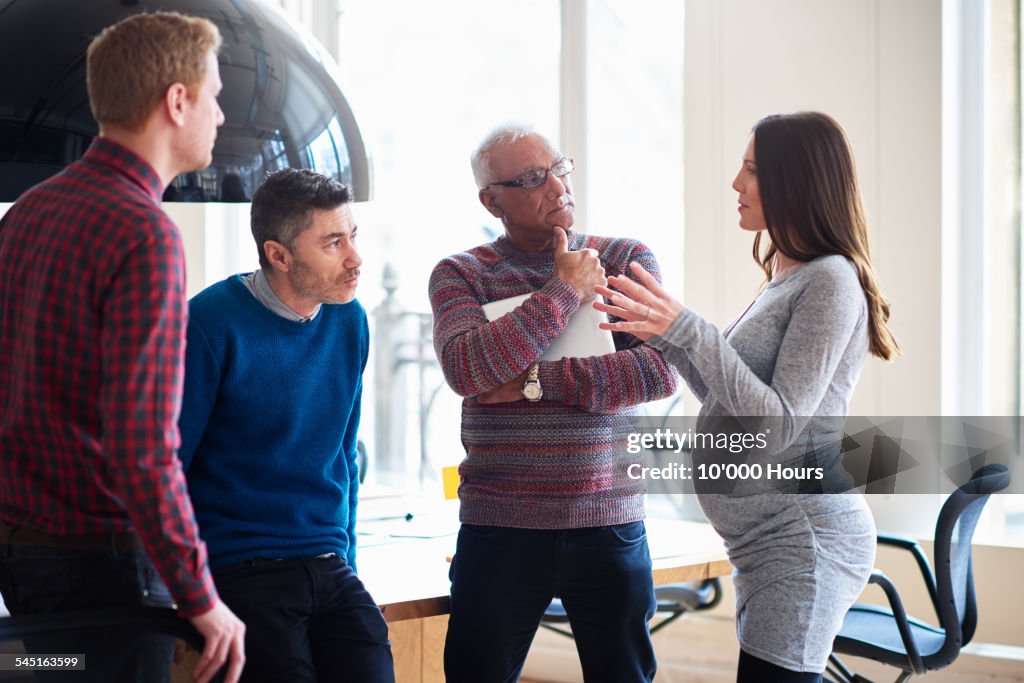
105, 152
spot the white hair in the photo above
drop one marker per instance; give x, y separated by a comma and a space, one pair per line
505, 134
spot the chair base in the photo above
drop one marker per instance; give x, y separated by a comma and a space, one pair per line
549, 625
837, 672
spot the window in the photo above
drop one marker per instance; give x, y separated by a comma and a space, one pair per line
427, 85
635, 127
982, 344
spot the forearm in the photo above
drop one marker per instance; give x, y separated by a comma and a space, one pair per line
609, 383
634, 374
163, 518
683, 364
478, 356
718, 366
147, 476
822, 318
728, 380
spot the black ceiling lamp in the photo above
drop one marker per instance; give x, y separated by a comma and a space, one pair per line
282, 106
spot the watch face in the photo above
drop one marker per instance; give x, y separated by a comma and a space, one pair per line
531, 391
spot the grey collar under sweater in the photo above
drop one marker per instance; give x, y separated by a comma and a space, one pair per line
258, 284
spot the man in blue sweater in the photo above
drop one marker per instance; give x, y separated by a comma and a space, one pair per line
273, 382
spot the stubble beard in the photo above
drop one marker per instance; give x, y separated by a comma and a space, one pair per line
311, 285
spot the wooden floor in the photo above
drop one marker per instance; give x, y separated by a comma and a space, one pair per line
704, 650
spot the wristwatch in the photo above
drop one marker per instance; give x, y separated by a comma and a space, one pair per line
531, 387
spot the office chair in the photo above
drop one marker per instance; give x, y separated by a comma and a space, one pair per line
362, 460
891, 637
179, 643
675, 600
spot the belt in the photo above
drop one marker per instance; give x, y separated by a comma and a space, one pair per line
21, 535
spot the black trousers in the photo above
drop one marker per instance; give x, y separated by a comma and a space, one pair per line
307, 619
752, 669
37, 579
503, 579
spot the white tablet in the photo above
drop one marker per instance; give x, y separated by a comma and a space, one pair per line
580, 339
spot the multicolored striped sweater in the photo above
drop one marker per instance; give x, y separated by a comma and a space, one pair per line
557, 463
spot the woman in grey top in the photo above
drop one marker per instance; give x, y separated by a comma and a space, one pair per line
792, 360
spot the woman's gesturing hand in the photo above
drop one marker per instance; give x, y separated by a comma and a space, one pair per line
646, 309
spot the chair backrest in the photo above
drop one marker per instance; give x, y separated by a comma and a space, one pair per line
362, 460
954, 578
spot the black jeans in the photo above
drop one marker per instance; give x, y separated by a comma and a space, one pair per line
752, 669
44, 580
503, 579
307, 619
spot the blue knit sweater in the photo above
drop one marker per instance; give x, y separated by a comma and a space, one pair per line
268, 426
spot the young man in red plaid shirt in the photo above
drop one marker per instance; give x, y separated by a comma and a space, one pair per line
92, 331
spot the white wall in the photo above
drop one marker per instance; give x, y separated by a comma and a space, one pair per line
218, 242
875, 65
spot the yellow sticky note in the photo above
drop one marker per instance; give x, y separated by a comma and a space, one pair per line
450, 478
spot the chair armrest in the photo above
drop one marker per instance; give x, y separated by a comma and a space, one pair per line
898, 540
900, 615
922, 562
674, 596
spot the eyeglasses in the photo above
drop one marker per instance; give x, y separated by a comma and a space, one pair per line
537, 176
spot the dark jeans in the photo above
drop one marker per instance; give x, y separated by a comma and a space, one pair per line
43, 580
307, 619
753, 669
503, 579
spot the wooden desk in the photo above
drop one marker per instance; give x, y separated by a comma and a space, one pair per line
408, 577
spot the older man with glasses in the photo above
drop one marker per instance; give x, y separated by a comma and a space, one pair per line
545, 510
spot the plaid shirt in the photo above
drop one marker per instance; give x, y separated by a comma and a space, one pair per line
92, 335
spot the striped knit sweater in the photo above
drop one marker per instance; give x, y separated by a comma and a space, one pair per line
557, 463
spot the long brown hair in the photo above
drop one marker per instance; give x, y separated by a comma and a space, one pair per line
808, 187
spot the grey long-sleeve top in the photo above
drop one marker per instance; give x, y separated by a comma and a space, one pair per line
795, 354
